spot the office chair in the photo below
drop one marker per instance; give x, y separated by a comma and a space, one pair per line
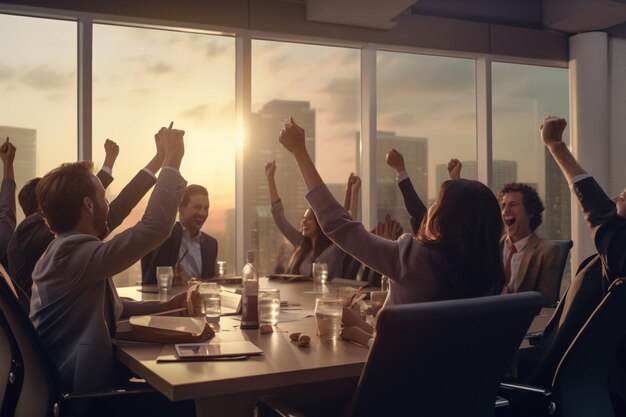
565, 246
9, 360
443, 358
580, 384
41, 393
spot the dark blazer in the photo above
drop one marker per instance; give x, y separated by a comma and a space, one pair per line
593, 277
32, 236
412, 202
167, 255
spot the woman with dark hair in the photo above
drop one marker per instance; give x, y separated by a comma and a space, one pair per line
311, 245
454, 255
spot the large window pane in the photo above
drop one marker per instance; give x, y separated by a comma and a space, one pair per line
145, 78
522, 96
427, 111
287, 81
38, 90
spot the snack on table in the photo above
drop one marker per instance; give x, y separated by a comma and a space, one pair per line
294, 336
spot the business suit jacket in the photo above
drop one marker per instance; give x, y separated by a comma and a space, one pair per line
167, 255
412, 202
593, 276
70, 303
7, 216
539, 269
32, 236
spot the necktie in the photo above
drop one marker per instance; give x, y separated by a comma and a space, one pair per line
507, 264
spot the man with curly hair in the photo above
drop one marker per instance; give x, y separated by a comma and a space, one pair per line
530, 262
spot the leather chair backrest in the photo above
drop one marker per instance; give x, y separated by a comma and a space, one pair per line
443, 358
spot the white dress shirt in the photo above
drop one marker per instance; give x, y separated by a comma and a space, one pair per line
516, 260
189, 254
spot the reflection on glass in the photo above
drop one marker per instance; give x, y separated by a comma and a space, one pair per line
142, 80
287, 81
426, 111
38, 86
522, 96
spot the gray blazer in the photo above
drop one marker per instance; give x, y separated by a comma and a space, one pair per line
69, 306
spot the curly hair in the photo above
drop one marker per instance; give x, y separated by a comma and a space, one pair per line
532, 203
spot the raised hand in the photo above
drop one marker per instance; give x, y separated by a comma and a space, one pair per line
270, 170
111, 151
292, 137
395, 160
356, 182
454, 169
171, 140
7, 152
552, 130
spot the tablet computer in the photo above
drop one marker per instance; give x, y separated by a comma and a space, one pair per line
216, 350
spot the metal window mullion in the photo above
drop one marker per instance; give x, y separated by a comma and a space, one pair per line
368, 135
85, 77
484, 136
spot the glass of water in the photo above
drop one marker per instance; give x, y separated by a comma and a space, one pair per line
211, 301
221, 269
328, 313
269, 306
320, 272
165, 275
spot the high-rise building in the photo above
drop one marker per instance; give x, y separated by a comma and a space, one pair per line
557, 217
25, 140
264, 128
415, 153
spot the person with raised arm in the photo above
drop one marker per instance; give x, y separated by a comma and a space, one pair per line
606, 218
7, 198
530, 262
32, 236
74, 304
454, 255
310, 243
412, 201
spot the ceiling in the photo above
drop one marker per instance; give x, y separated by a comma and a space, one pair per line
569, 16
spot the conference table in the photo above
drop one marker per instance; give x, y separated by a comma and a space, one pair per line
320, 378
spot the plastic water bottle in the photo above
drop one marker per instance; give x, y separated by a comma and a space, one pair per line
250, 295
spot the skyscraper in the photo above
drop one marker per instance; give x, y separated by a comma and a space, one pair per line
25, 140
264, 128
415, 153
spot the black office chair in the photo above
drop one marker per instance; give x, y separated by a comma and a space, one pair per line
9, 360
565, 246
441, 359
580, 384
41, 393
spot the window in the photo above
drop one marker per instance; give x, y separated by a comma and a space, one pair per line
142, 80
38, 85
522, 96
427, 111
287, 81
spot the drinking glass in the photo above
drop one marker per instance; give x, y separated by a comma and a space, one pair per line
221, 269
165, 275
378, 299
384, 283
212, 306
328, 314
320, 273
269, 306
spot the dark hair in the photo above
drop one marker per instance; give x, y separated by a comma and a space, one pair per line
60, 194
302, 251
532, 203
465, 226
28, 198
193, 189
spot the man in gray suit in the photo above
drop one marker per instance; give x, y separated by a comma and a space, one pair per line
74, 304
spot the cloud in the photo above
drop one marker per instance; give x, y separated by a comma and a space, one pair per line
159, 68
44, 77
198, 114
216, 49
6, 72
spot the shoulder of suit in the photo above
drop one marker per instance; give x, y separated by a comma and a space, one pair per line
208, 237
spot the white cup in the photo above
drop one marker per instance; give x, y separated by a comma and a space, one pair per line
221, 269
165, 275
